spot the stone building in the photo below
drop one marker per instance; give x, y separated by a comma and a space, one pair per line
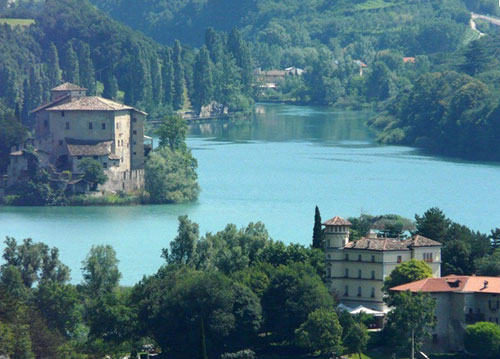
460, 300
74, 126
356, 270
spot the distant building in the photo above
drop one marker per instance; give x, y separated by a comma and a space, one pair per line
356, 270
74, 126
270, 79
460, 300
362, 66
409, 59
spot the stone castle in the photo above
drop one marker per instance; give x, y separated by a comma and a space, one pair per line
74, 126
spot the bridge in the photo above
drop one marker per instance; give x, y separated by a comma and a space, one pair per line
193, 120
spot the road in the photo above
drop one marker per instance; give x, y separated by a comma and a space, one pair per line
491, 19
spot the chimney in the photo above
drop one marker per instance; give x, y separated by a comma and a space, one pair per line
485, 284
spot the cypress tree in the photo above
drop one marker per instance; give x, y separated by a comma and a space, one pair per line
203, 85
167, 71
53, 69
69, 64
110, 85
318, 240
86, 67
477, 59
141, 88
178, 96
8, 88
203, 342
156, 81
27, 101
36, 88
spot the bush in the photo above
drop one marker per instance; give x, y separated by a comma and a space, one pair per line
483, 339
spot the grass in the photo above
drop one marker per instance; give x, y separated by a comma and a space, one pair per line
17, 22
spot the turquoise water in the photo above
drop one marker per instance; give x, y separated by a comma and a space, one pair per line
274, 168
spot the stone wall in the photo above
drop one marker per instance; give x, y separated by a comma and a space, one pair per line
127, 181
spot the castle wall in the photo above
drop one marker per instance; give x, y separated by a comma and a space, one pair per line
127, 181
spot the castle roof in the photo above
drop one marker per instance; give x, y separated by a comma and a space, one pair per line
453, 283
93, 103
337, 221
68, 87
391, 244
88, 147
51, 103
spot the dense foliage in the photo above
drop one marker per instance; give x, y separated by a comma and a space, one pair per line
483, 339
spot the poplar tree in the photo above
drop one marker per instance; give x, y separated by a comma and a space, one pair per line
318, 240
178, 96
214, 45
27, 102
167, 71
36, 93
86, 68
156, 81
53, 68
69, 64
241, 53
203, 84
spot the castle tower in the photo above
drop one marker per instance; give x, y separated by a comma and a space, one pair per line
336, 232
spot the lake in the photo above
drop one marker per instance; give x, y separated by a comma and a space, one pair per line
273, 168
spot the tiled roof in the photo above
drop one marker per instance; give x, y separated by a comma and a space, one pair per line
408, 59
453, 283
337, 221
392, 244
379, 244
68, 87
93, 103
51, 103
88, 148
421, 241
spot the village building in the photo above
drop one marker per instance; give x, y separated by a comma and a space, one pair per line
356, 269
73, 127
270, 79
460, 301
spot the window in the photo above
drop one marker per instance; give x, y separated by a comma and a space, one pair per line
118, 125
329, 271
135, 132
105, 165
400, 259
135, 143
79, 157
359, 273
134, 119
96, 157
328, 256
62, 113
60, 142
373, 274
347, 272
373, 259
373, 293
346, 293
428, 257
135, 153
91, 126
67, 125
45, 123
359, 258
359, 291
103, 126
347, 256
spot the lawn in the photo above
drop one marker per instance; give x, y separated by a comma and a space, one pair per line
17, 22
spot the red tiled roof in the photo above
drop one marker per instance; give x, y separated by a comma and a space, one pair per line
408, 59
337, 221
453, 283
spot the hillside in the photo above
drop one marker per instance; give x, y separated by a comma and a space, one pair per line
413, 27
